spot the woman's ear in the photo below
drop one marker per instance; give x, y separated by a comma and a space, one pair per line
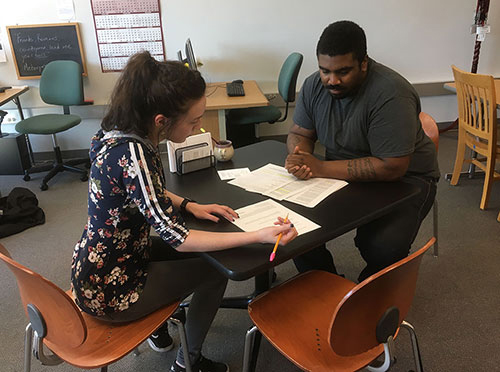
160, 120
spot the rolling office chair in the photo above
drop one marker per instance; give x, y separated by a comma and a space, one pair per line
431, 129
71, 335
324, 322
61, 84
240, 120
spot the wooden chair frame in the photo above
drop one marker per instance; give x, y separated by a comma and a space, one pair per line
73, 336
477, 127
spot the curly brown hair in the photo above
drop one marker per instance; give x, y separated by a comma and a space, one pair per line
147, 88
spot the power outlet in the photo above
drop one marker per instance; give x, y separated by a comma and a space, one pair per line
12, 117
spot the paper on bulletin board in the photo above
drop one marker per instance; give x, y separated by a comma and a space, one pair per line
3, 57
65, 10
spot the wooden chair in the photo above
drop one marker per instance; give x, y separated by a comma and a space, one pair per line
323, 322
71, 335
432, 131
477, 127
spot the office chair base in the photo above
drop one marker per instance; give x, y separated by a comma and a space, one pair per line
59, 166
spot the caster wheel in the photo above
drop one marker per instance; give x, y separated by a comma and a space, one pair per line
84, 178
44, 187
27, 177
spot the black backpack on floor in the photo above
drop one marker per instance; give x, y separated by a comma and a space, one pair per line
18, 211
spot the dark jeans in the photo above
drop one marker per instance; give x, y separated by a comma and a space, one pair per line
383, 241
173, 276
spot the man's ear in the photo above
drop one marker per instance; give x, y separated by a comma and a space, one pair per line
364, 64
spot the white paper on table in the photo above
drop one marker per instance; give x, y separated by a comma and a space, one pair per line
265, 179
266, 213
316, 191
191, 140
290, 189
275, 181
229, 174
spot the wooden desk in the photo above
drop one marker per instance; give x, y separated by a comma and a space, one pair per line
452, 87
214, 120
13, 94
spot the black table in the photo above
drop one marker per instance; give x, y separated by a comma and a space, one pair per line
344, 210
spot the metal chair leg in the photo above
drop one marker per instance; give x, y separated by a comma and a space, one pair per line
184, 343
435, 223
414, 343
28, 344
249, 340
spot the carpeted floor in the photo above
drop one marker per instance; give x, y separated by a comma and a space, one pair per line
455, 311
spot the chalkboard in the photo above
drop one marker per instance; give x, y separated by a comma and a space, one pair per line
33, 46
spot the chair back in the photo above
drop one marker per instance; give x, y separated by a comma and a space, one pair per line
63, 320
287, 81
62, 84
430, 128
477, 114
353, 329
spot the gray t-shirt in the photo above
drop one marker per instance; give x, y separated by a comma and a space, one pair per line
380, 120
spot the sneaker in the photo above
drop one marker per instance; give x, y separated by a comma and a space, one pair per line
161, 341
202, 365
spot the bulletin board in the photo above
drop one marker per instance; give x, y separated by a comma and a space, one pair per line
34, 46
125, 27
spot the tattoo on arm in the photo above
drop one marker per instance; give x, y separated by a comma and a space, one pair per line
361, 169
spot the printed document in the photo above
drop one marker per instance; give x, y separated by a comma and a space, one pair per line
266, 213
229, 174
275, 181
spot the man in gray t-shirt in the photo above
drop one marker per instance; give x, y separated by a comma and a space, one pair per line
367, 117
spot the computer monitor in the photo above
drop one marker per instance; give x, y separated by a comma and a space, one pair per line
179, 56
191, 60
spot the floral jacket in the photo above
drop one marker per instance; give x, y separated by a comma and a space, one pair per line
126, 196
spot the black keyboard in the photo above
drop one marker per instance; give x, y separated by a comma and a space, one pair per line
235, 89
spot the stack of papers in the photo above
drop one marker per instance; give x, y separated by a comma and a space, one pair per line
275, 181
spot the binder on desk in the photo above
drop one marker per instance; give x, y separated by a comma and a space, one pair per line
194, 153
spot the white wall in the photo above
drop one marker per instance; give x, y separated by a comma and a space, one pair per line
249, 40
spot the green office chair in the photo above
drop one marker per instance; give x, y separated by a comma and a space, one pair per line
238, 119
61, 84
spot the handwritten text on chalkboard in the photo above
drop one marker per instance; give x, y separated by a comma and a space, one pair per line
35, 46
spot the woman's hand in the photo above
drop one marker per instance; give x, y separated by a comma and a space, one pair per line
270, 234
209, 211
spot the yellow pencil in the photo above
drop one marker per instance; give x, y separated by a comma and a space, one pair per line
273, 253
